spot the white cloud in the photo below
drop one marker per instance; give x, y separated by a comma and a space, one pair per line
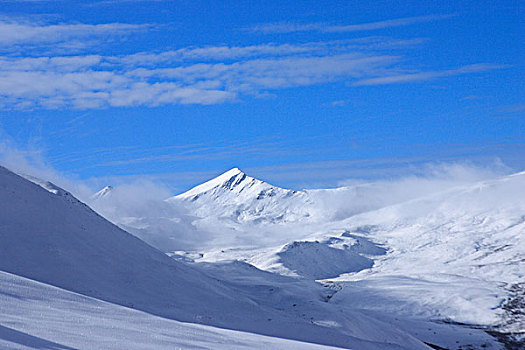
423, 76
220, 53
268, 50
191, 75
94, 81
31, 161
281, 28
12, 32
87, 89
138, 204
60, 63
154, 94
274, 73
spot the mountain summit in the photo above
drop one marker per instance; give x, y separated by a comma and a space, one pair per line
242, 198
233, 179
103, 193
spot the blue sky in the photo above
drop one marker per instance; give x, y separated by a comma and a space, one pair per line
301, 93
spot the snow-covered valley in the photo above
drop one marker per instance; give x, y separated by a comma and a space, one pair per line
369, 266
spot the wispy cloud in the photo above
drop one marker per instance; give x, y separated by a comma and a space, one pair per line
281, 28
338, 103
123, 157
207, 75
105, 2
351, 172
326, 173
511, 109
268, 50
191, 75
222, 53
95, 89
93, 81
423, 76
274, 73
59, 63
12, 32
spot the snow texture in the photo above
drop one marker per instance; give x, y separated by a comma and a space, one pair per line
317, 266
57, 240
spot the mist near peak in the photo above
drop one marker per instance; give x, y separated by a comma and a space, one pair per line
140, 207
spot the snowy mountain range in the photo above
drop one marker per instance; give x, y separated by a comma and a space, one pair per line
457, 254
369, 266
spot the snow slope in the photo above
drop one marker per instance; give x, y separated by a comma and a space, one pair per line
55, 239
36, 315
455, 256
39, 316
103, 193
451, 251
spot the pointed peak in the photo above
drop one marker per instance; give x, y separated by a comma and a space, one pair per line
232, 172
103, 192
226, 177
231, 177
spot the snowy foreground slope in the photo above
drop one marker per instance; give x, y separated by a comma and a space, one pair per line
39, 316
48, 238
451, 254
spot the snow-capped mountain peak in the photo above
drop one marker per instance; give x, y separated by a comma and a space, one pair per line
103, 193
233, 179
240, 197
